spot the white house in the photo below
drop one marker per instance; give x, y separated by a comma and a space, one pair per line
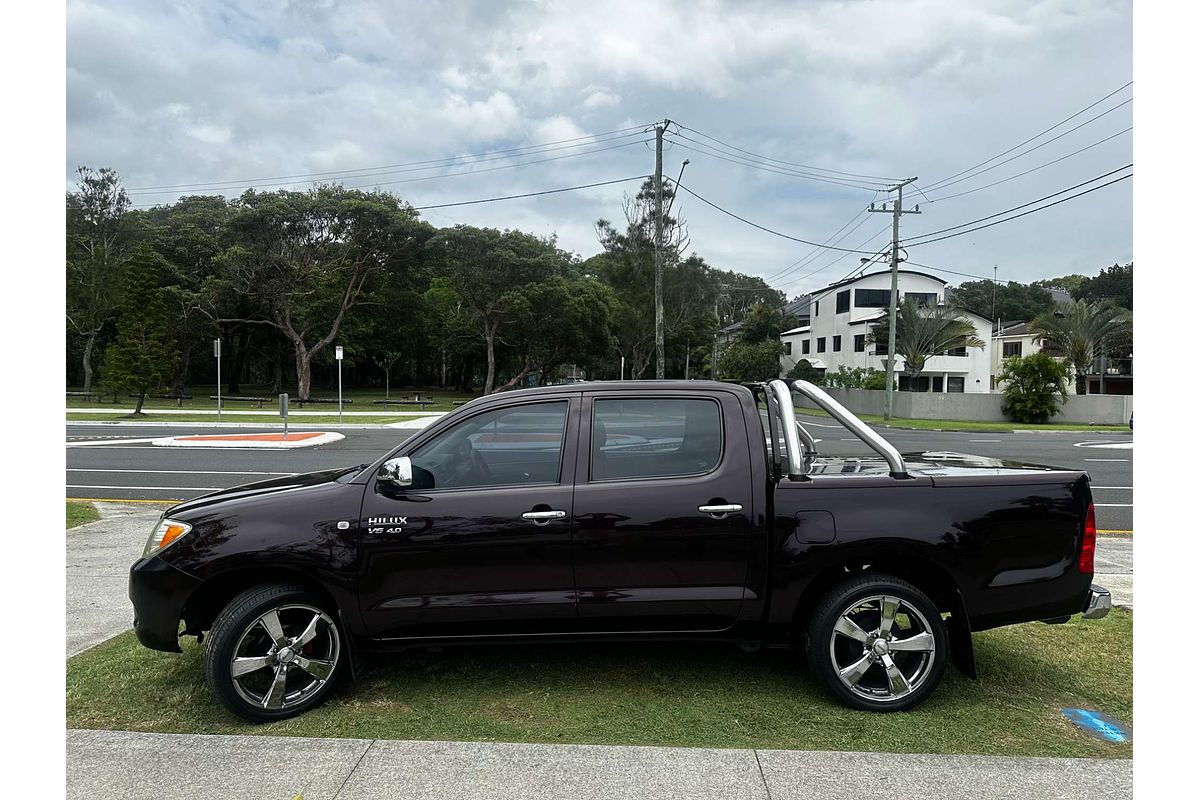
840, 323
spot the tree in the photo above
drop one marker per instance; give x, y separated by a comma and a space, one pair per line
141, 357
925, 332
805, 371
764, 323
1031, 385
1114, 284
1014, 301
746, 361
304, 260
1068, 283
1079, 331
97, 248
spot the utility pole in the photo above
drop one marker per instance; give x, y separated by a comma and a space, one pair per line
659, 326
897, 209
717, 333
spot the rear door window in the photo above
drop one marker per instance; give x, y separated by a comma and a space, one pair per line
654, 438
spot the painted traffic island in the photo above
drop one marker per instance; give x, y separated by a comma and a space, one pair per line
266, 441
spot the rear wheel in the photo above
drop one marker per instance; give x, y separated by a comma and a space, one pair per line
878, 643
274, 652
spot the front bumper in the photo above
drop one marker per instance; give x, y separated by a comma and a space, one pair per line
1099, 603
158, 592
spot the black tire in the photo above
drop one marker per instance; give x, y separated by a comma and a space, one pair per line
309, 670
870, 668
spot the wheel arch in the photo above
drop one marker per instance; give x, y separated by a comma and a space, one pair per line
203, 606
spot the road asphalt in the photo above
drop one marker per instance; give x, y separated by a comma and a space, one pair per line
152, 766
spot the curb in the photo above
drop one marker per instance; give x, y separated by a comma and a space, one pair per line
251, 440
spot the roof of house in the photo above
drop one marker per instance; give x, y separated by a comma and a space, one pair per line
885, 272
1019, 328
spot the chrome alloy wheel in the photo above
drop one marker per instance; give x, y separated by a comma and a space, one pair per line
285, 656
882, 648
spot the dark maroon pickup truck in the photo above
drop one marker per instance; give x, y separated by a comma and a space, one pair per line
621, 511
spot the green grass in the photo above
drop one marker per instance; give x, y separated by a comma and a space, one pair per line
363, 400
80, 513
968, 425
248, 419
667, 694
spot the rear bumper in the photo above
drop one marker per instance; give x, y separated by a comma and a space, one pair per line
1099, 603
158, 592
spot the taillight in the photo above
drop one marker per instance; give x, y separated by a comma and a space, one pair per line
1087, 555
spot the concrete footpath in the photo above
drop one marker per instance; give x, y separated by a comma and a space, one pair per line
154, 766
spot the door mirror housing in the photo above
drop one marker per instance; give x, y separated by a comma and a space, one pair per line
397, 472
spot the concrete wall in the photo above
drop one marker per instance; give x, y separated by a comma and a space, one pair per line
1099, 409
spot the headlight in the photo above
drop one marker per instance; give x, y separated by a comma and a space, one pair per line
167, 531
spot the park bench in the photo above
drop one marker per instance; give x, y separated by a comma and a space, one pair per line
90, 396
178, 398
318, 400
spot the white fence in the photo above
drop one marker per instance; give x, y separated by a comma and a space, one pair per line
1092, 409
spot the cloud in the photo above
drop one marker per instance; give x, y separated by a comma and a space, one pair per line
171, 93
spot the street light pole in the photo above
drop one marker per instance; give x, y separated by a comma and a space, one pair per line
217, 353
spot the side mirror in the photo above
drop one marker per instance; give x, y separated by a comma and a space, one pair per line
397, 471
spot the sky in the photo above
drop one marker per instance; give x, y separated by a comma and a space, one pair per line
833, 99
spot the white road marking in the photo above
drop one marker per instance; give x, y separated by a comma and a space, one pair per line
1122, 460
984, 440
1107, 445
97, 442
149, 488
178, 472
1114, 505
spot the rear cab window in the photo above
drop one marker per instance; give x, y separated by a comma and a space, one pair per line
634, 438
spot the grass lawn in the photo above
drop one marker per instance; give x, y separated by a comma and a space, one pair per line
247, 419
79, 513
363, 400
968, 425
668, 694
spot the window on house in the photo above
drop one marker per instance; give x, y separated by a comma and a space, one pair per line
881, 348
957, 351
821, 344
870, 298
837, 344
843, 302
817, 308
922, 299
804, 346
860, 342
787, 348
955, 385
1012, 349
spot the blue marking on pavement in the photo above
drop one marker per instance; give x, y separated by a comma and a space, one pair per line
1102, 726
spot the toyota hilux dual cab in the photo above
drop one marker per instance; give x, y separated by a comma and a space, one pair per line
644, 510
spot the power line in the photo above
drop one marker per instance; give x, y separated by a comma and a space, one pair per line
733, 158
1023, 205
809, 255
532, 194
1024, 213
1035, 147
435, 161
761, 227
1026, 172
876, 178
949, 271
829, 264
373, 184
1031, 138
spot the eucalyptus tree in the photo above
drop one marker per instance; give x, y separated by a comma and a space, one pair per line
1081, 330
923, 332
98, 245
303, 261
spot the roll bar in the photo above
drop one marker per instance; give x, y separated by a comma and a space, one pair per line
839, 412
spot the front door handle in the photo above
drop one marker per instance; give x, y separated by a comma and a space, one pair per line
719, 511
542, 517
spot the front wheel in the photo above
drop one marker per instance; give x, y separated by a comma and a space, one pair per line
878, 643
274, 652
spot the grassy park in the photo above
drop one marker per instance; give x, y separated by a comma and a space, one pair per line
661, 694
80, 513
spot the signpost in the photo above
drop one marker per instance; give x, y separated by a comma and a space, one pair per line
337, 351
283, 412
217, 355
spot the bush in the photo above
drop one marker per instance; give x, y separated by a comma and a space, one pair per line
1031, 385
856, 378
805, 371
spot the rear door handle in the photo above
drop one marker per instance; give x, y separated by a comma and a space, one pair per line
542, 517
721, 510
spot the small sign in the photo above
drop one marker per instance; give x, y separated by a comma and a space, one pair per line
337, 351
1099, 725
216, 348
283, 405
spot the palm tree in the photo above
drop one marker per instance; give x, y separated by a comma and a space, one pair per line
1080, 330
922, 332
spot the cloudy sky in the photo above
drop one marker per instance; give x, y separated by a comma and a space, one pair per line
269, 93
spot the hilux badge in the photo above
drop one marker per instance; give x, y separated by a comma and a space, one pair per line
386, 524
